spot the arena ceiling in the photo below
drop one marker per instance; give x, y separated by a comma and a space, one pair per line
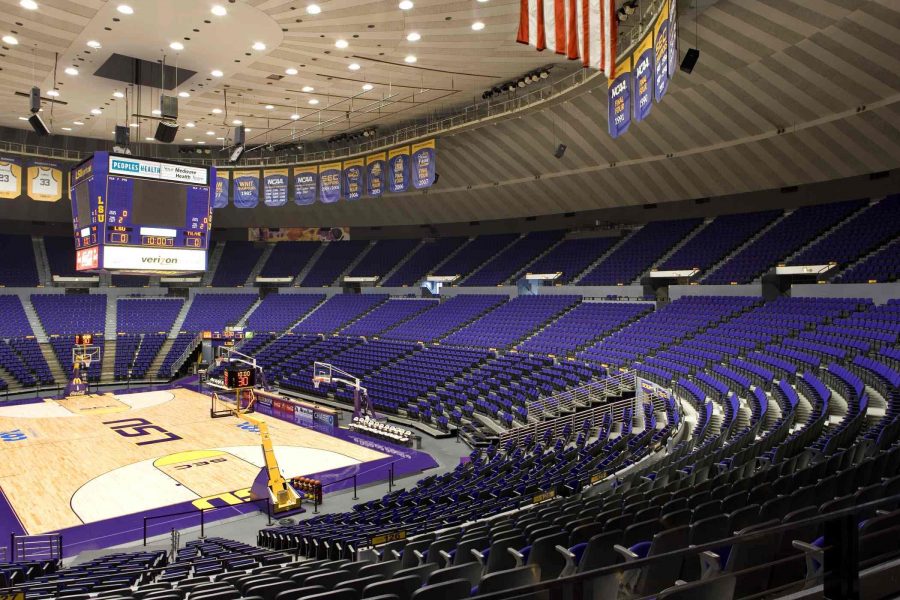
786, 92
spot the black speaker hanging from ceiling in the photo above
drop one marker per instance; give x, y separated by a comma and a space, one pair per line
122, 135
165, 131
690, 60
560, 150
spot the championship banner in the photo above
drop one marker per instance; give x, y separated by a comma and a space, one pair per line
10, 177
306, 181
375, 164
423, 159
298, 234
353, 176
643, 78
223, 183
246, 189
275, 187
330, 183
398, 169
673, 38
620, 99
661, 49
44, 181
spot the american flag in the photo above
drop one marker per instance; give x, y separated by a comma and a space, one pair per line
579, 29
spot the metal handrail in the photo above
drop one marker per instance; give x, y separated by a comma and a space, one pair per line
571, 400
493, 108
178, 362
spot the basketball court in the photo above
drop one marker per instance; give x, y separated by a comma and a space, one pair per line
85, 459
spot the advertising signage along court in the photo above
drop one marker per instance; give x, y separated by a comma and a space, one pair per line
133, 214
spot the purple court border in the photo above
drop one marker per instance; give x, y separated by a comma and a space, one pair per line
129, 528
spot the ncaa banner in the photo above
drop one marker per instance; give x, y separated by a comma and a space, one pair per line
398, 169
375, 164
10, 177
275, 187
246, 189
306, 181
353, 175
44, 181
330, 183
643, 78
673, 38
423, 159
661, 49
223, 183
620, 99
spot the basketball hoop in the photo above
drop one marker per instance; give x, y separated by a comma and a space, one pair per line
316, 381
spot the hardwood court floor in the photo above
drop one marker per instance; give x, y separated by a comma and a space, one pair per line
80, 460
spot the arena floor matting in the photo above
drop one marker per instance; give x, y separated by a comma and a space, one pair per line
94, 466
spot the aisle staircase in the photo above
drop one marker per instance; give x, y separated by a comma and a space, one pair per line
751, 240
263, 258
574, 280
309, 265
400, 263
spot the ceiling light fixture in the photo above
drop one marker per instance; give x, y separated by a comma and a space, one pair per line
269, 107
313, 9
150, 139
53, 93
220, 139
176, 46
189, 124
189, 139
413, 37
155, 112
295, 116
216, 111
23, 118
308, 88
125, 9
259, 46
367, 86
71, 71
218, 10
133, 125
248, 130
410, 59
201, 142
237, 122
96, 111
477, 26
66, 128
28, 4
341, 43
183, 95
291, 71
118, 94
77, 123
313, 101
353, 66
93, 44
405, 5
210, 133
216, 73
8, 39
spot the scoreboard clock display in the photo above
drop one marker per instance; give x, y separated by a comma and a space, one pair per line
135, 215
239, 378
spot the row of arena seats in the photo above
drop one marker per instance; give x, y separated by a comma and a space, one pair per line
729, 248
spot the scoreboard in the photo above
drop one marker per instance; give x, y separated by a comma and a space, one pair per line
136, 215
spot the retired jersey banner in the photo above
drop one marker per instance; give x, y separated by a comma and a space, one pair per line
306, 182
643, 78
330, 183
246, 189
10, 177
661, 50
275, 187
398, 169
223, 183
45, 181
673, 38
422, 160
375, 164
354, 178
620, 99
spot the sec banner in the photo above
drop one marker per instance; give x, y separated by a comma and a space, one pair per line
223, 183
375, 174
306, 181
353, 175
330, 183
661, 49
398, 169
423, 164
246, 189
643, 78
673, 38
275, 187
620, 99
44, 181
10, 177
